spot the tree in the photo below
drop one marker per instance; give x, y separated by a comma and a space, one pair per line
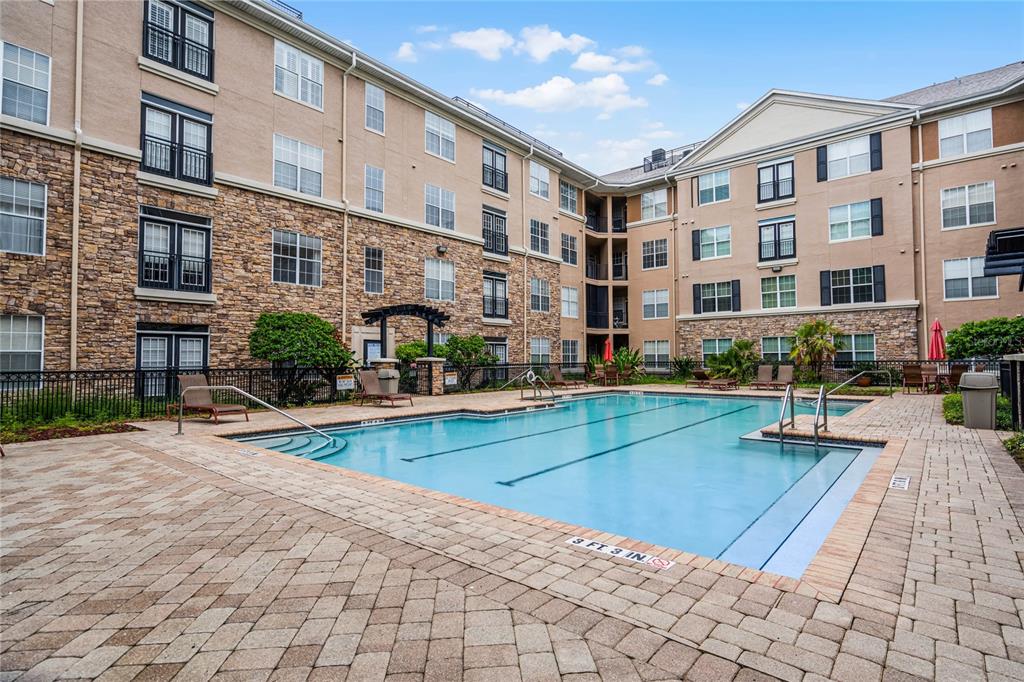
409, 352
986, 338
465, 353
296, 341
736, 363
814, 344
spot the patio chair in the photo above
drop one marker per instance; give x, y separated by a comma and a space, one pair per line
785, 377
723, 384
558, 381
370, 389
611, 374
912, 377
953, 379
199, 399
700, 378
764, 377
597, 376
930, 376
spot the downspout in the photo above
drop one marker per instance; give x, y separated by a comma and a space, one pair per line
922, 331
526, 251
673, 292
344, 203
77, 184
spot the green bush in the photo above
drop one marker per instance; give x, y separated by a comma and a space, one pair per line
986, 338
953, 411
410, 352
50, 406
682, 367
1015, 446
736, 363
303, 339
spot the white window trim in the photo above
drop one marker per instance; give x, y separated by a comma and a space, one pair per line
967, 206
714, 201
829, 177
383, 188
366, 269
577, 202
577, 302
849, 222
530, 177
455, 138
42, 331
963, 135
440, 208
717, 227
783, 336
454, 280
655, 254
323, 76
46, 216
874, 346
778, 292
296, 283
384, 111
542, 283
49, 81
668, 313
970, 286
654, 206
298, 166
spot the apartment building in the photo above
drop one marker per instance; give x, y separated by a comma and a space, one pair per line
170, 169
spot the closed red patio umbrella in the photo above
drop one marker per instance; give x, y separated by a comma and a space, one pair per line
608, 349
937, 344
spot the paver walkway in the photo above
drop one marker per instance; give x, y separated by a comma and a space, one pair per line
149, 556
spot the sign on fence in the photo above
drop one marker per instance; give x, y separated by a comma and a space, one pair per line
345, 382
451, 378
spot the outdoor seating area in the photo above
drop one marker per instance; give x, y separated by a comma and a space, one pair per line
932, 377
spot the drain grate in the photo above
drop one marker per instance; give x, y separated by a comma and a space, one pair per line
899, 482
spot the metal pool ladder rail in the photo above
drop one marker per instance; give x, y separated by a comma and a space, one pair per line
530, 377
789, 400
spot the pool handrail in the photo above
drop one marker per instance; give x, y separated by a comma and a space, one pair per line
822, 401
787, 399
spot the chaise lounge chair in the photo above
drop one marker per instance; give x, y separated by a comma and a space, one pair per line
558, 381
764, 377
371, 390
785, 377
199, 399
700, 378
724, 384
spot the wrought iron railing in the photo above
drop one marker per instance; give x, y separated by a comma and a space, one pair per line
778, 249
495, 242
495, 178
165, 46
175, 160
776, 189
496, 307
597, 270
173, 271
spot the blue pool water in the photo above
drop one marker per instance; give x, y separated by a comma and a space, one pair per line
669, 470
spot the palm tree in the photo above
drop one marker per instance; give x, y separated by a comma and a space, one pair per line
814, 344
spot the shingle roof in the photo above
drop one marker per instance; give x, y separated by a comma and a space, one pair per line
965, 86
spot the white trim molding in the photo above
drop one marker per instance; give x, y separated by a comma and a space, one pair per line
177, 76
171, 296
812, 310
162, 182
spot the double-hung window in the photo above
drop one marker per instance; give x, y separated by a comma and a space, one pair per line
373, 270
654, 204
716, 297
778, 292
965, 278
174, 250
775, 180
373, 191
22, 217
439, 207
540, 295
439, 279
656, 354
570, 353
777, 239
965, 134
570, 302
655, 254
849, 157
180, 35
713, 187
567, 196
539, 236
26, 86
711, 347
176, 140
21, 344
540, 350
374, 97
440, 136
655, 304
540, 180
570, 255
297, 258
298, 166
854, 348
855, 285
969, 205
496, 295
776, 348
849, 221
298, 75
714, 242
495, 170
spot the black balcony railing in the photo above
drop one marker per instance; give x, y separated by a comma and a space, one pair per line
619, 224
778, 249
596, 224
619, 271
493, 177
597, 319
172, 271
778, 189
495, 242
176, 160
496, 307
620, 319
167, 47
597, 270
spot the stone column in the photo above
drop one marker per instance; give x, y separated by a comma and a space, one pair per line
385, 363
430, 376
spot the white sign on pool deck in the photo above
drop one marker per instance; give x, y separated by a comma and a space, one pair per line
622, 553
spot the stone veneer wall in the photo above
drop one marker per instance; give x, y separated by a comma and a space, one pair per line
895, 329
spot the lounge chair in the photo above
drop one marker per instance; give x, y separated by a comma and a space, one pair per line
370, 389
764, 377
724, 384
611, 374
700, 378
199, 399
785, 377
913, 377
558, 381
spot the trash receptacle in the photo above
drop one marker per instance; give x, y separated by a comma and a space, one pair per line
388, 380
979, 393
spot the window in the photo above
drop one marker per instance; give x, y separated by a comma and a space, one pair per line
716, 297
495, 236
849, 157
965, 278
26, 88
174, 250
855, 285
373, 191
440, 207
655, 254
175, 140
778, 292
777, 239
567, 196
776, 348
655, 302
715, 242
160, 346
965, 134
440, 338
656, 354
298, 166
22, 217
711, 347
654, 204
854, 347
570, 353
969, 205
570, 302
298, 75
540, 295
849, 221
540, 179
440, 136
540, 351
439, 279
296, 258
180, 35
775, 180
373, 270
569, 254
21, 343
496, 295
713, 187
495, 167
539, 241
374, 97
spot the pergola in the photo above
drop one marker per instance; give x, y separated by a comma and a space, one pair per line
433, 316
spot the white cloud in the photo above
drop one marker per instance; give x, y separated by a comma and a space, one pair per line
429, 28
742, 105
540, 42
406, 52
608, 93
633, 51
657, 79
488, 43
609, 154
606, 63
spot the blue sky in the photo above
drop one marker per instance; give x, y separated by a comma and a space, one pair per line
606, 82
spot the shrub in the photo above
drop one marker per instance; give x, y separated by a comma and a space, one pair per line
410, 352
628, 361
953, 411
682, 367
813, 345
1015, 446
986, 338
736, 363
293, 340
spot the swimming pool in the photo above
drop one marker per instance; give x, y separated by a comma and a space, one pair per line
666, 469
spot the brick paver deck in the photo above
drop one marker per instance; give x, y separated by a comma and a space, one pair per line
149, 556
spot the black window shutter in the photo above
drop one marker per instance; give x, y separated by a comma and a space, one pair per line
826, 287
735, 295
696, 244
876, 151
878, 277
822, 163
696, 299
876, 217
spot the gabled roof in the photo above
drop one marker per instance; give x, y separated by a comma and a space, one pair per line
966, 86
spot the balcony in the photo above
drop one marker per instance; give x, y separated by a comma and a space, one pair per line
495, 242
597, 270
778, 249
167, 47
597, 319
773, 191
1004, 254
619, 224
619, 271
596, 224
176, 160
495, 178
496, 307
161, 270
620, 319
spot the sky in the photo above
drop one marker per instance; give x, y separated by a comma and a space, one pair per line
607, 82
